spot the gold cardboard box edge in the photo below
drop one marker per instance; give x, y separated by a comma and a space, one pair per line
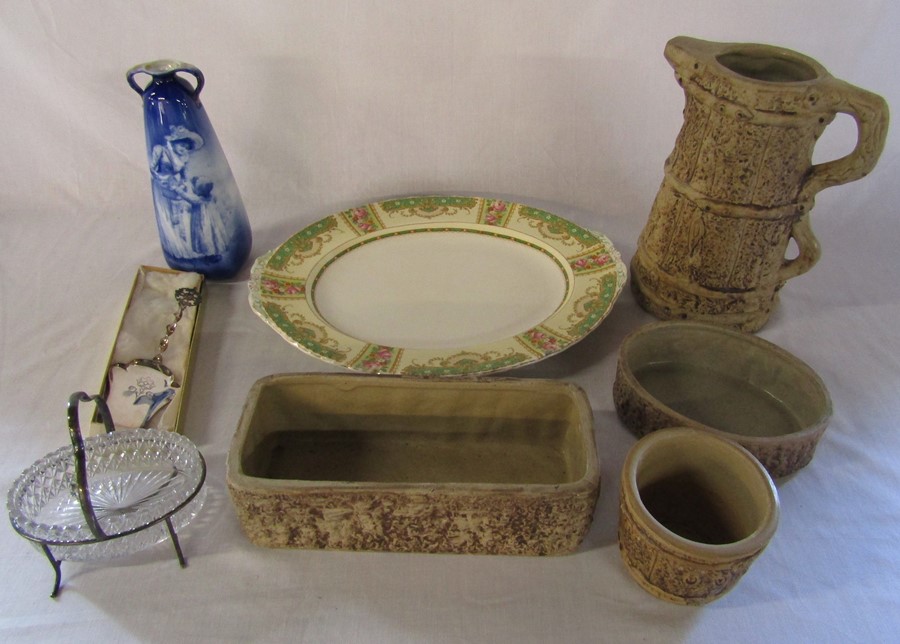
180, 399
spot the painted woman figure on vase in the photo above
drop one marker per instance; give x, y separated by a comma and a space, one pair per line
200, 216
189, 209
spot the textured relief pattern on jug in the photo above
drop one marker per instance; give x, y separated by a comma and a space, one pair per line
740, 182
714, 248
740, 161
668, 298
760, 101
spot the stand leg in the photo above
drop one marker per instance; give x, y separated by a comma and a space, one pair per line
57, 565
181, 559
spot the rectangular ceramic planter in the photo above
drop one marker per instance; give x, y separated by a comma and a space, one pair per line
356, 462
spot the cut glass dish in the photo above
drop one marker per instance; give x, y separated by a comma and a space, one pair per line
108, 496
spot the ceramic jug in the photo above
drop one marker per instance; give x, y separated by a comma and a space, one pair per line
740, 183
202, 223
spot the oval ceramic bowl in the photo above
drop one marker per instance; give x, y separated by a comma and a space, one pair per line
739, 386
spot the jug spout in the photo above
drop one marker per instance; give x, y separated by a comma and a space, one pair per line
686, 53
744, 66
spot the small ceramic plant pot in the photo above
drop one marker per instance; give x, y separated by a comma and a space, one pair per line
695, 511
738, 386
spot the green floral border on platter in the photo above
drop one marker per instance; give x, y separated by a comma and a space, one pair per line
282, 283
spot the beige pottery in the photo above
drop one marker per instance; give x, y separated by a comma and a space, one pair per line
740, 182
360, 462
735, 385
695, 511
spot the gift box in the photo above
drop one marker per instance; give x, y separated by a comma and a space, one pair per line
142, 395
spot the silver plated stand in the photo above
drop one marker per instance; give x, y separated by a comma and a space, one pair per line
143, 479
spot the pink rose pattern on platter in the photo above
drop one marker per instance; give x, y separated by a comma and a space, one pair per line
543, 341
496, 213
282, 288
377, 359
591, 262
363, 220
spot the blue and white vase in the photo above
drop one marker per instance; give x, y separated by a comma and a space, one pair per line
203, 226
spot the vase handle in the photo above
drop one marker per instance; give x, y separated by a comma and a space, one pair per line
164, 68
870, 111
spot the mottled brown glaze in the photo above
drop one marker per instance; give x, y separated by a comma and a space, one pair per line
463, 522
436, 507
668, 565
668, 574
730, 354
740, 182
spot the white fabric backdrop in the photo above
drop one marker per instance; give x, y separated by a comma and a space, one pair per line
324, 105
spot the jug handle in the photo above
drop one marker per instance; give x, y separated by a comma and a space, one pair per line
808, 247
870, 111
164, 68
